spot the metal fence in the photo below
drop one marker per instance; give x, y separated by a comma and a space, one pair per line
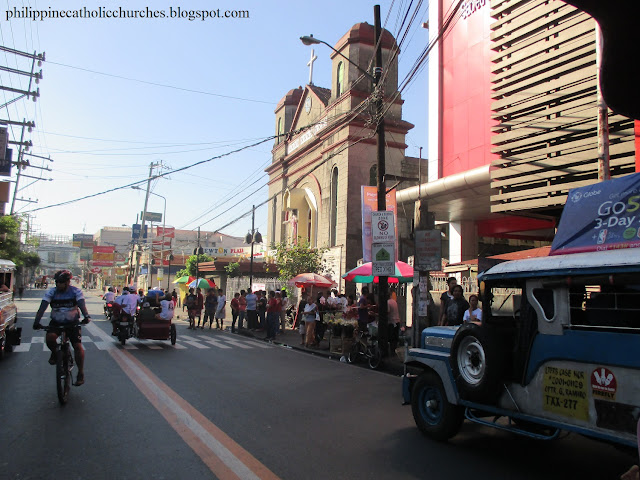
242, 283
469, 284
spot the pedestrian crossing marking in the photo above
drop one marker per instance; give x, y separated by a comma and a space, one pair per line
217, 343
201, 342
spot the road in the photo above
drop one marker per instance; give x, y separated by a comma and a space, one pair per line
224, 406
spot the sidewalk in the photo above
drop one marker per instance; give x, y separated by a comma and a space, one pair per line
291, 339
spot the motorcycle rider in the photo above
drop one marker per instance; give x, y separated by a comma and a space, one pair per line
129, 305
66, 303
108, 297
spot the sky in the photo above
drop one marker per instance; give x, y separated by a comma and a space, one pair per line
120, 94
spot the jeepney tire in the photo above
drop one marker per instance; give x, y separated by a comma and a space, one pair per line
478, 362
173, 334
434, 415
3, 346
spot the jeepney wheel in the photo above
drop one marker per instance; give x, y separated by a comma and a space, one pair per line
432, 412
173, 334
477, 363
3, 346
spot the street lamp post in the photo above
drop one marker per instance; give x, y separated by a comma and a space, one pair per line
378, 94
252, 237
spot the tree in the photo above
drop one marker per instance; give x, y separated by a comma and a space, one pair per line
295, 259
190, 267
9, 241
233, 269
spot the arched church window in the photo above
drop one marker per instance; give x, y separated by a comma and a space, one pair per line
280, 130
334, 207
373, 175
340, 79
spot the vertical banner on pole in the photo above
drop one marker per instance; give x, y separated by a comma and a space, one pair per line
370, 204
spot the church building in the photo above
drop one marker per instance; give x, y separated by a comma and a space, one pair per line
325, 151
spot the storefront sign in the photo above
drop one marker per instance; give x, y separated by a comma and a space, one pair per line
167, 232
602, 216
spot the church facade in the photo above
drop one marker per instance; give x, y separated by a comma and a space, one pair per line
325, 151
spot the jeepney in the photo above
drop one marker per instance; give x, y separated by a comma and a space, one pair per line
9, 331
564, 357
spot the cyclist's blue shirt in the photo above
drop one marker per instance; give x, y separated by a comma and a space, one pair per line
64, 305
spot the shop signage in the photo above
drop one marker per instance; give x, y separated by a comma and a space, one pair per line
602, 216
167, 232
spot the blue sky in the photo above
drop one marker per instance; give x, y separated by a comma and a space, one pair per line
103, 131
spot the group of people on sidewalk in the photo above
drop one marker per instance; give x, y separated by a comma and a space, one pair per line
262, 312
214, 305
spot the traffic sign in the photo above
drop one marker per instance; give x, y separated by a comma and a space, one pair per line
383, 255
383, 227
428, 250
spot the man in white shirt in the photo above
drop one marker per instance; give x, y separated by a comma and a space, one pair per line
220, 309
129, 302
166, 304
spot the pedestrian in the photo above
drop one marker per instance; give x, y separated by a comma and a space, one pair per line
262, 311
210, 305
393, 326
252, 312
455, 308
284, 301
242, 309
235, 310
273, 315
21, 291
473, 313
363, 309
221, 309
445, 297
299, 322
310, 313
199, 304
174, 298
190, 303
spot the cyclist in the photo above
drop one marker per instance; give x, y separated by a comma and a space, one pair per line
66, 303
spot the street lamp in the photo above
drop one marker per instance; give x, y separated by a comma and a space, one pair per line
383, 285
164, 215
254, 236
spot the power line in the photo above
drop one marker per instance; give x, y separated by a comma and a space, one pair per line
163, 85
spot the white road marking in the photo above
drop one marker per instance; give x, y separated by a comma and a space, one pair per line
23, 347
105, 345
177, 346
37, 340
217, 343
148, 344
196, 344
237, 343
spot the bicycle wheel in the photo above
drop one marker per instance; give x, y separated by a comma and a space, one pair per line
62, 376
357, 352
375, 357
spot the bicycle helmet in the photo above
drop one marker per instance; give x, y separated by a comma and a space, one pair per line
62, 276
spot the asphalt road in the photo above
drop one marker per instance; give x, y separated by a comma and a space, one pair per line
224, 406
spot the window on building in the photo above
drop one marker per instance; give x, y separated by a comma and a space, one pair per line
280, 130
334, 207
274, 216
340, 79
309, 227
373, 175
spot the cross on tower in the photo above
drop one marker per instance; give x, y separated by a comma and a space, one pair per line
310, 65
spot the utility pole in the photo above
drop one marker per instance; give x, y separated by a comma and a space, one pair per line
378, 93
28, 93
144, 214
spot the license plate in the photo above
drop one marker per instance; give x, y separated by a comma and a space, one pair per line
124, 323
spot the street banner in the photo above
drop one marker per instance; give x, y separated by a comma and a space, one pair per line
167, 232
102, 263
370, 204
602, 216
104, 249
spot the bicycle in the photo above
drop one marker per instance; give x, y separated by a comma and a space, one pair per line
64, 361
366, 346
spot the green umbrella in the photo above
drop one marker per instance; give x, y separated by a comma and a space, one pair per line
183, 279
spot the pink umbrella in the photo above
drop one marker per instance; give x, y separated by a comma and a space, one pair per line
312, 280
364, 274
